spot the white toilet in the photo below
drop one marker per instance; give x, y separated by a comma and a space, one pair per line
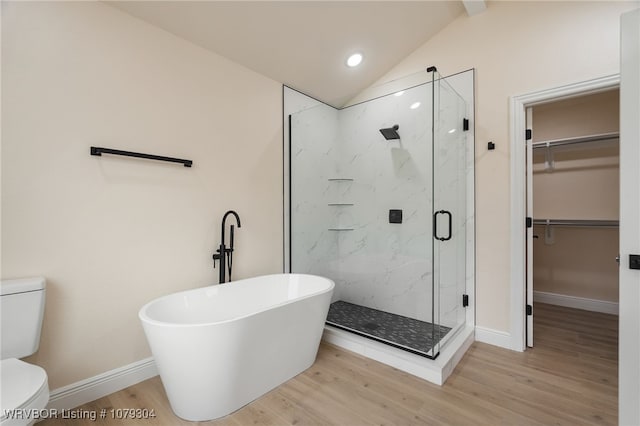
24, 387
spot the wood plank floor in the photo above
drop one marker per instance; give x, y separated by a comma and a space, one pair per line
568, 378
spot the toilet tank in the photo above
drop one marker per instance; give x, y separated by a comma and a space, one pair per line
21, 314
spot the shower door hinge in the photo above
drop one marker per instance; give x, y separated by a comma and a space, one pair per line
528, 134
465, 124
529, 222
529, 310
465, 300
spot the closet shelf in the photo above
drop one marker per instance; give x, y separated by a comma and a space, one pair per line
576, 140
578, 223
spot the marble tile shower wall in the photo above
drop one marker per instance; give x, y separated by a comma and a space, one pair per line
314, 248
346, 178
384, 265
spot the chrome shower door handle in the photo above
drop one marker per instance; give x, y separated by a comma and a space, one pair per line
435, 225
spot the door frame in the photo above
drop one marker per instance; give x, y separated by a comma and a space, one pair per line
518, 105
528, 297
629, 320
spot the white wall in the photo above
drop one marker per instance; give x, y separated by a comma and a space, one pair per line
111, 233
515, 47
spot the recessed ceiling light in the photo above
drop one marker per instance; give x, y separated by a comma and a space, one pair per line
415, 105
400, 93
354, 60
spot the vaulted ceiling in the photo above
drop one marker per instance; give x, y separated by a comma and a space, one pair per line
305, 44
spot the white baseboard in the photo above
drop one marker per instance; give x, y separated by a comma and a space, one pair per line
75, 394
494, 337
576, 302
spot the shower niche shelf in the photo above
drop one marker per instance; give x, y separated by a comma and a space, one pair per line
340, 188
341, 204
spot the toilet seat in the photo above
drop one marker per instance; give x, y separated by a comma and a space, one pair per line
23, 386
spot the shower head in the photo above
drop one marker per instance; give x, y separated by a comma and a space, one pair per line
391, 132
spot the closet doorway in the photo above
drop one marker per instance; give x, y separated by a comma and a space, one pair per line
573, 202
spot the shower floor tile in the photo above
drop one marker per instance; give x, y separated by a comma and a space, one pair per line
396, 330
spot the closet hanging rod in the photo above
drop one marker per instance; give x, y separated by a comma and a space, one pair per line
96, 150
580, 139
578, 223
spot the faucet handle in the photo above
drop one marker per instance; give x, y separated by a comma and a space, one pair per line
216, 256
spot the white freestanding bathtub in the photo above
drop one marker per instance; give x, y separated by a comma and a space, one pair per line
218, 348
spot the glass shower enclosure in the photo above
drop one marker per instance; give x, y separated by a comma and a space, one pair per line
378, 203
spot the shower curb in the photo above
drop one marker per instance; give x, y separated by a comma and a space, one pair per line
435, 371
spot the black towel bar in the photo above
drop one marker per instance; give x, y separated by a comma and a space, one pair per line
95, 150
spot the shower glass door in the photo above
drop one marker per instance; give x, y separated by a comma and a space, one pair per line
450, 169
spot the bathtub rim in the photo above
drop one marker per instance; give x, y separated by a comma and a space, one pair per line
145, 319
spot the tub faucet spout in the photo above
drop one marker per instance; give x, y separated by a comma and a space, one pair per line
225, 254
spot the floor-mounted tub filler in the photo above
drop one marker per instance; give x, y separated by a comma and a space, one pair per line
218, 348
